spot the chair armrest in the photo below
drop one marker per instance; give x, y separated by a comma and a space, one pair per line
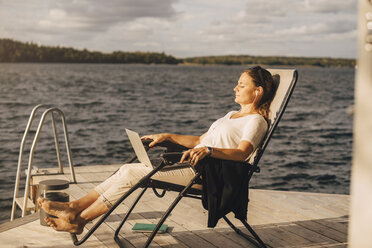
171, 161
171, 147
171, 157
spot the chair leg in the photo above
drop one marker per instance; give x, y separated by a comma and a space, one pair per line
129, 212
172, 206
142, 182
102, 219
256, 241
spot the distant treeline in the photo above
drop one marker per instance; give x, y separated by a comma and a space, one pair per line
272, 60
15, 51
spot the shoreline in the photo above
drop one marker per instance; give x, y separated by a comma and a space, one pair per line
13, 51
186, 64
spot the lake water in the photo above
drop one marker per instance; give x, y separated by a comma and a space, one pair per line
309, 151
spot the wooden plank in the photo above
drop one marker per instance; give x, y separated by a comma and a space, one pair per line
137, 216
199, 215
164, 240
145, 197
324, 205
232, 235
137, 239
113, 219
275, 207
332, 202
270, 237
104, 233
324, 230
182, 217
192, 239
19, 222
290, 207
288, 238
176, 220
338, 224
30, 204
35, 235
189, 218
314, 237
281, 218
259, 216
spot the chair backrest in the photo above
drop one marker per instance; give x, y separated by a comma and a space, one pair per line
286, 80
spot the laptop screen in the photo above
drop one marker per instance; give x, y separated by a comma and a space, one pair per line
138, 147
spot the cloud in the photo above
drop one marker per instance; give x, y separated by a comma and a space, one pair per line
283, 20
330, 6
140, 32
319, 28
88, 16
97, 15
91, 24
60, 20
186, 27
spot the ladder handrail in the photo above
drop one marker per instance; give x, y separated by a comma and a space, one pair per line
20, 157
32, 151
60, 168
50, 110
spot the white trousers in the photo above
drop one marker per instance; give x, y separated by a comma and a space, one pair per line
129, 174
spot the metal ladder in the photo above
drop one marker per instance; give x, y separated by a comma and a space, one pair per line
22, 203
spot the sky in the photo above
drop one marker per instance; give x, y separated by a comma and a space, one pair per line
188, 28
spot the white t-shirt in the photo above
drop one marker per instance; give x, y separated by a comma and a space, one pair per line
227, 133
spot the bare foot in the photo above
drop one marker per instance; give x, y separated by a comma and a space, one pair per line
60, 209
64, 226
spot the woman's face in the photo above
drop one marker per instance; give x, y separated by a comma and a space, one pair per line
245, 91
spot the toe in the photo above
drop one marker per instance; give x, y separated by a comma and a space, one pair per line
40, 201
48, 221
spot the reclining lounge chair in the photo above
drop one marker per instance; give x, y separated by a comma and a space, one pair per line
286, 80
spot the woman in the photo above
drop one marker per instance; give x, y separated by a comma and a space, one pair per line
232, 137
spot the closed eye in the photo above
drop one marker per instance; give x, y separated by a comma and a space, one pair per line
241, 84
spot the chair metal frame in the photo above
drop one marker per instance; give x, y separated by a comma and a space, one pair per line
188, 191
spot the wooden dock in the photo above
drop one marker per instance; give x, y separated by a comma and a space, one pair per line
281, 218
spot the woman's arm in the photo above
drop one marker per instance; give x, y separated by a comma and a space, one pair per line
188, 141
245, 148
241, 153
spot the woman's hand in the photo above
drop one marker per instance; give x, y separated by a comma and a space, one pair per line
157, 138
193, 156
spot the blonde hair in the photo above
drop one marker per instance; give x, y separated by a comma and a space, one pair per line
263, 78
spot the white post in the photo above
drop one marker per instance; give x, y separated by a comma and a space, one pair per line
360, 226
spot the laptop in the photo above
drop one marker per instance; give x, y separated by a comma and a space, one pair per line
138, 148
142, 156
